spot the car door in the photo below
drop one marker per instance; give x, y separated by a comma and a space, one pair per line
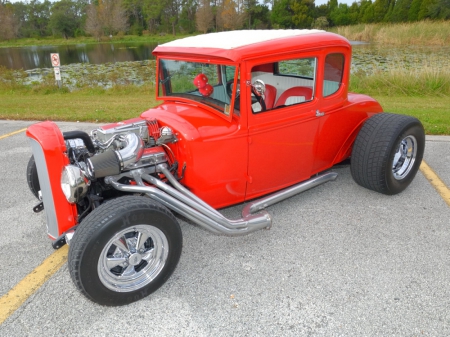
340, 116
282, 136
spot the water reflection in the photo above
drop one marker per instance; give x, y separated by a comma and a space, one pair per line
39, 56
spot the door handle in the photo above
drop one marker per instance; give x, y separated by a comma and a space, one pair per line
319, 113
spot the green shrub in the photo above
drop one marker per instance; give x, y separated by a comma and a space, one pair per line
423, 81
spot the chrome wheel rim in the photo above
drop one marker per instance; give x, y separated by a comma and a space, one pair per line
133, 258
404, 157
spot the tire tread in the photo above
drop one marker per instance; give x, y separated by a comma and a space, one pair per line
372, 149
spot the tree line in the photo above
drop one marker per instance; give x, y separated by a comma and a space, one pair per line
103, 18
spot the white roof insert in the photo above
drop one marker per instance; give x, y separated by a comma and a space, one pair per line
236, 38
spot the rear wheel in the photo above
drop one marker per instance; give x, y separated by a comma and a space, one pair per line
124, 250
387, 152
32, 177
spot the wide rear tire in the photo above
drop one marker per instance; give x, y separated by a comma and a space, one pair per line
124, 250
387, 152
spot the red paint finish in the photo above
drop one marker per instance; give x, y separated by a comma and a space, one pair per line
234, 157
48, 135
230, 161
275, 48
214, 150
339, 128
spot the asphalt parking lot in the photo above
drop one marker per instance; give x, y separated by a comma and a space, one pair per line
339, 261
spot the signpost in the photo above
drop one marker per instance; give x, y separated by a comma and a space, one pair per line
56, 64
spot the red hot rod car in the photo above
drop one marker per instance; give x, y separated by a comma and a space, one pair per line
248, 117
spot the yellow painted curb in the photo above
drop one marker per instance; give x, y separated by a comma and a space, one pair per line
13, 133
436, 182
10, 302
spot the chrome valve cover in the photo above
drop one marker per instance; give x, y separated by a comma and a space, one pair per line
140, 128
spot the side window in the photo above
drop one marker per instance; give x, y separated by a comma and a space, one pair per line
286, 83
334, 70
299, 67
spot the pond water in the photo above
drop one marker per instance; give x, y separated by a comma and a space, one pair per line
367, 57
120, 63
34, 57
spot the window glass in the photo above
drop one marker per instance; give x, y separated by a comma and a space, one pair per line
334, 70
298, 67
229, 73
286, 83
202, 82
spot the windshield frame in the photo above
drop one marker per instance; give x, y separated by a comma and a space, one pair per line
207, 103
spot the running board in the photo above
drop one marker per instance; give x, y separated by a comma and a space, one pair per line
182, 201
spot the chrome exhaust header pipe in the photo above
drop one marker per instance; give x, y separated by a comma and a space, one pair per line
182, 201
191, 210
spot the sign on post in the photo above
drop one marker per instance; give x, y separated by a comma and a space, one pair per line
56, 64
55, 59
57, 73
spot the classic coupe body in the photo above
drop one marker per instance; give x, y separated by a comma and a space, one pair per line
247, 117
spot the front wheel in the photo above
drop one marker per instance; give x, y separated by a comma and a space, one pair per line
387, 152
124, 250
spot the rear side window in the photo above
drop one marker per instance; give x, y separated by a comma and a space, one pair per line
304, 68
334, 70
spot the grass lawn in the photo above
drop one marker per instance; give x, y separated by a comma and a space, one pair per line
434, 113
91, 105
84, 105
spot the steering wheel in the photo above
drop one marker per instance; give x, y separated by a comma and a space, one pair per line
229, 88
258, 97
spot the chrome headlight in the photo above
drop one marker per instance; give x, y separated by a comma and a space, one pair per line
74, 183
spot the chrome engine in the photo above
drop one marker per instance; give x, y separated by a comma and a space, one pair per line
122, 148
110, 151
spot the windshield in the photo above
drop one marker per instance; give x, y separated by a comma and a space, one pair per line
207, 83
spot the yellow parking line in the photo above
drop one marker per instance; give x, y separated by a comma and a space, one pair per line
10, 302
436, 182
13, 133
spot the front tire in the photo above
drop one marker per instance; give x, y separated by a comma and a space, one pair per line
124, 250
32, 177
387, 153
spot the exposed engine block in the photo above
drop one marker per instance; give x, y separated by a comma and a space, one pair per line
119, 147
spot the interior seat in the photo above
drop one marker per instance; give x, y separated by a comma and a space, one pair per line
269, 96
294, 95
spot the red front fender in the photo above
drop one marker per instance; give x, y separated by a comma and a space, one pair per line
49, 151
